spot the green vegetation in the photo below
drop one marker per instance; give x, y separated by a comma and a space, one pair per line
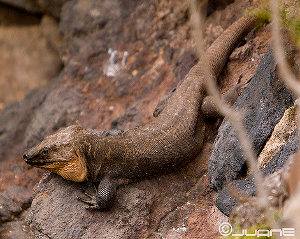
289, 19
262, 12
264, 16
292, 23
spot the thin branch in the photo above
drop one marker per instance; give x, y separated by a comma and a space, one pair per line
291, 82
284, 69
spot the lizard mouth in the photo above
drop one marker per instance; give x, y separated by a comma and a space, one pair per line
52, 165
42, 164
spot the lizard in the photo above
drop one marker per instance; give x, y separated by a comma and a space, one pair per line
175, 136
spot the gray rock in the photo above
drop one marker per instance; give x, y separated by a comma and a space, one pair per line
263, 101
14, 120
61, 105
13, 201
282, 156
52, 7
225, 202
55, 201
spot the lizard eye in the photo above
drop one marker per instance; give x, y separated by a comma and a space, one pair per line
45, 152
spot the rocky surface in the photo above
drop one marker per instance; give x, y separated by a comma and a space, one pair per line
67, 212
251, 212
119, 58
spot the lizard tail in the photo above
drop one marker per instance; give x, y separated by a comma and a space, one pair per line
218, 53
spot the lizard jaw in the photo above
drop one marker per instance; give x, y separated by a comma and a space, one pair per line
75, 169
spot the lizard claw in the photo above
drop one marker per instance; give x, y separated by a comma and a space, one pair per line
91, 200
91, 203
89, 195
92, 207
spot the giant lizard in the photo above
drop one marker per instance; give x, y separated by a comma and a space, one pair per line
172, 138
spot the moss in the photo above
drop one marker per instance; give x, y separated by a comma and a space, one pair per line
293, 26
288, 20
263, 15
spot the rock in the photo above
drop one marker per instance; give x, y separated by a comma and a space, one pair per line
251, 212
274, 186
27, 61
16, 230
283, 142
62, 105
277, 151
28, 5
50, 30
14, 120
52, 7
263, 108
216, 5
281, 138
292, 175
248, 214
12, 202
225, 202
186, 60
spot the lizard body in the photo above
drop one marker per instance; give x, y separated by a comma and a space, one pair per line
173, 137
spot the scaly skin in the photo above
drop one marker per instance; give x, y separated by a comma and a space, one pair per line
175, 136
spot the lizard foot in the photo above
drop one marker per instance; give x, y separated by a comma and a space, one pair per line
90, 202
104, 195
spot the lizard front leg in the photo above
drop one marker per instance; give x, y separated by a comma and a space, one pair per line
104, 196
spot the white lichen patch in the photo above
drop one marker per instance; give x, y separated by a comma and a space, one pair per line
181, 229
280, 136
116, 63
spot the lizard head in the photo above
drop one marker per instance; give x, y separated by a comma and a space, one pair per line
60, 153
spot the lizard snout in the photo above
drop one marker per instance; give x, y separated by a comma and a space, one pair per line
31, 159
26, 156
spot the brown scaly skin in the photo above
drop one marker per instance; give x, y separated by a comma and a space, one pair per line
175, 136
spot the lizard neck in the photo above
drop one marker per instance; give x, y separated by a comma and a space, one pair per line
96, 147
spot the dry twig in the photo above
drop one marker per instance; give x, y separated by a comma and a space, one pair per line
290, 79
